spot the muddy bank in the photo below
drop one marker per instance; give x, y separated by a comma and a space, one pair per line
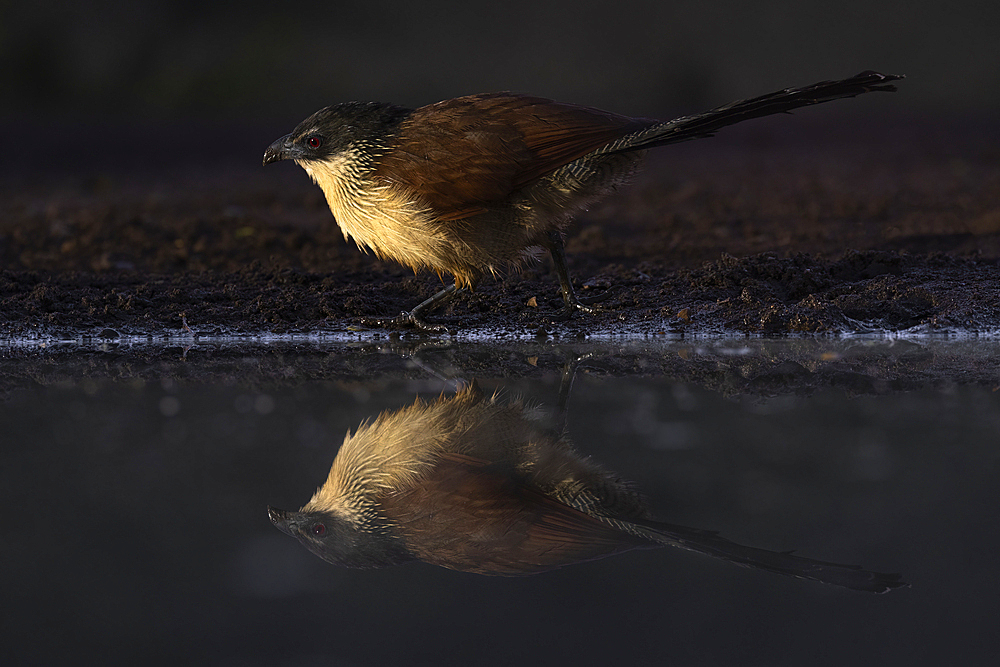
801, 228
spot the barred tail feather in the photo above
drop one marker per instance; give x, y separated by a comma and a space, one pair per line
705, 124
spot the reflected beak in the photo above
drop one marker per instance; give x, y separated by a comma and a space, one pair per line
281, 149
282, 520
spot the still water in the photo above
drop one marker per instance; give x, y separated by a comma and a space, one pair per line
136, 482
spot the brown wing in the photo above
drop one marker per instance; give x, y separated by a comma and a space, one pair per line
466, 153
474, 516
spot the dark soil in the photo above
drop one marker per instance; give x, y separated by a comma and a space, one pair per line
785, 226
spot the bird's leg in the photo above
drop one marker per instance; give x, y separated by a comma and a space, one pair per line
415, 317
569, 369
444, 296
570, 299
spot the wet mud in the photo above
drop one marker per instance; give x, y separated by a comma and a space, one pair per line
802, 228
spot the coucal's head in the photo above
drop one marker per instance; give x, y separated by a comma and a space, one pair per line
349, 127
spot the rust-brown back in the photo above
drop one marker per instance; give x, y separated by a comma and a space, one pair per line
474, 151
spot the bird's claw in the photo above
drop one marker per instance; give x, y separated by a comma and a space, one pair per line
598, 298
572, 307
583, 304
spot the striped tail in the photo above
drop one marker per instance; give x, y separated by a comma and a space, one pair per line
705, 124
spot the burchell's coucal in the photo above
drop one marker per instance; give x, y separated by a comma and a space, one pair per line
476, 184
477, 484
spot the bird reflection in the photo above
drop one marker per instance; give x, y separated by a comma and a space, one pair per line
479, 484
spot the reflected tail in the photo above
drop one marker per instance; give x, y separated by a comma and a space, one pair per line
711, 544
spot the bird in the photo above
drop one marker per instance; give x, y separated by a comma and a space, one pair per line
481, 484
478, 185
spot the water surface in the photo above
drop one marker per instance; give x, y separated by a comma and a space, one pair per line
136, 481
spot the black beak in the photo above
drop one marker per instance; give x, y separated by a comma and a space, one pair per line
282, 520
281, 149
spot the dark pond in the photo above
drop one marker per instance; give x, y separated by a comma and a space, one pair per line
136, 481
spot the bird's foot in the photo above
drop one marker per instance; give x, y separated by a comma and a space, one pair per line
598, 298
583, 304
413, 318
572, 307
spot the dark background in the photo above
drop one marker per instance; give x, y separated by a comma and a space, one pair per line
235, 61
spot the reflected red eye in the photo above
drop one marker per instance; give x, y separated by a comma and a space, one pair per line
314, 142
318, 529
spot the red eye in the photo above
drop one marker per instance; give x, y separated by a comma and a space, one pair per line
318, 529
314, 142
